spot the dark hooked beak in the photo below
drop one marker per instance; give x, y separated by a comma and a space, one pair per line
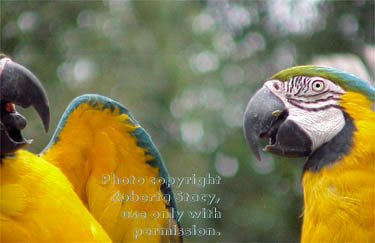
20, 87
266, 117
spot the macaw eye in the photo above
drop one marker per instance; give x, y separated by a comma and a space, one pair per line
318, 85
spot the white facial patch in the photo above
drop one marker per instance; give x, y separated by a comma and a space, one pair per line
312, 103
3, 61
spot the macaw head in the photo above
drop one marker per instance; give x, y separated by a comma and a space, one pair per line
299, 111
18, 87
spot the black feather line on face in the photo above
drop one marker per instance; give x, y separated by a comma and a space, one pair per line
334, 150
327, 91
331, 97
313, 109
299, 90
307, 86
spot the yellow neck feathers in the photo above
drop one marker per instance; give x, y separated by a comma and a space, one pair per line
339, 199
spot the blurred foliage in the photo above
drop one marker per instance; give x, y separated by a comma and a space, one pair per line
186, 70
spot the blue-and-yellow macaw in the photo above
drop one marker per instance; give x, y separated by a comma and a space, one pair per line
327, 115
99, 179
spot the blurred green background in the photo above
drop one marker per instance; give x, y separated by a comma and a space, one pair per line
186, 70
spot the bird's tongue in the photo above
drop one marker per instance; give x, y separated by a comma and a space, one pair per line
12, 122
10, 107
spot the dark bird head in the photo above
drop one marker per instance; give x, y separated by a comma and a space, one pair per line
299, 111
18, 86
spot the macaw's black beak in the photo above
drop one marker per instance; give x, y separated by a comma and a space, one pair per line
18, 87
266, 117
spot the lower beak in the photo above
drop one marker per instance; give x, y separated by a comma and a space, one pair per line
266, 116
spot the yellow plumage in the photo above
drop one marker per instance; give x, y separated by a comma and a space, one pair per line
339, 200
35, 195
63, 194
97, 142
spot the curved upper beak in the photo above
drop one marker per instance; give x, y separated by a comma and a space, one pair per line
263, 112
20, 86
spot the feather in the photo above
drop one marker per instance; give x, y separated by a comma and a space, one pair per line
98, 141
34, 196
339, 200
